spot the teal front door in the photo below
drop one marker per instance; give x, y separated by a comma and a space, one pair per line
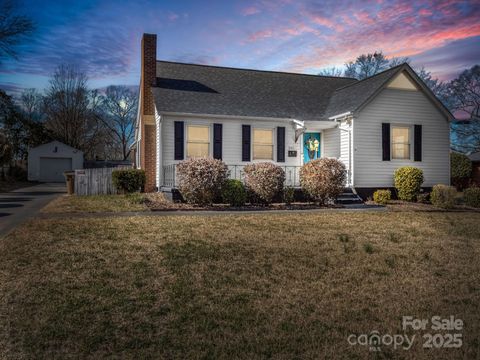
311, 146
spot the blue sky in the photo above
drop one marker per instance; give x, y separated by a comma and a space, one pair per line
103, 37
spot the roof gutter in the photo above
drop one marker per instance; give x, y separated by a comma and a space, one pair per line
340, 116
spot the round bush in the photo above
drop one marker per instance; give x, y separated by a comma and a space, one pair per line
382, 196
200, 180
233, 193
471, 196
460, 169
408, 182
264, 180
443, 196
323, 179
128, 180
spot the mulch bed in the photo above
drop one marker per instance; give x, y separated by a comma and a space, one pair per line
158, 202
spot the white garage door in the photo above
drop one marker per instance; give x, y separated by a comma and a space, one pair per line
51, 169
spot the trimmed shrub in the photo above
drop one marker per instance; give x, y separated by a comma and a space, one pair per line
443, 196
289, 195
200, 180
382, 196
264, 180
471, 196
233, 193
408, 182
323, 179
128, 180
423, 198
460, 169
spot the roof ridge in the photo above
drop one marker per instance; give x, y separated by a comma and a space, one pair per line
371, 77
257, 70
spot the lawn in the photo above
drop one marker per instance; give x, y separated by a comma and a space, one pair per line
96, 203
252, 286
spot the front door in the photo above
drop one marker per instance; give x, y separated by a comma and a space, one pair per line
311, 146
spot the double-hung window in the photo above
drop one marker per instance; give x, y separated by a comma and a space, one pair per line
400, 142
198, 141
262, 144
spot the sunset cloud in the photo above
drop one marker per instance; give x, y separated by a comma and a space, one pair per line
103, 39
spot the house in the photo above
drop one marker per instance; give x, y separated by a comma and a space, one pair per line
48, 162
242, 116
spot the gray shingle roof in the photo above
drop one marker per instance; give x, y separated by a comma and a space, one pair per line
203, 89
353, 96
200, 89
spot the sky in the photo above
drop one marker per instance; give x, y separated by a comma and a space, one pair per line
102, 38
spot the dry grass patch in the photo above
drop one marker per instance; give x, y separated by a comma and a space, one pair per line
256, 286
96, 203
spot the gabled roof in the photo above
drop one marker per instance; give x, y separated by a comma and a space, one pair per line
351, 97
214, 90
57, 143
202, 89
354, 97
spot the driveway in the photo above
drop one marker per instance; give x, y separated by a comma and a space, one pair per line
21, 204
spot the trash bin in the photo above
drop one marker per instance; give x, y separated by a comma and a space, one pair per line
70, 179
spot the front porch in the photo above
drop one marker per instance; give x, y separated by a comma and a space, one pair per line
292, 175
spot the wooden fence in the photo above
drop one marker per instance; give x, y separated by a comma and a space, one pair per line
95, 181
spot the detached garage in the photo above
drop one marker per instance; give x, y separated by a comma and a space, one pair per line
47, 162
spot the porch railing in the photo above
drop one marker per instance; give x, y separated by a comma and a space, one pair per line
292, 175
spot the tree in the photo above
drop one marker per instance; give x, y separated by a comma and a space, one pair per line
31, 103
71, 110
13, 29
119, 107
21, 132
464, 93
332, 71
366, 65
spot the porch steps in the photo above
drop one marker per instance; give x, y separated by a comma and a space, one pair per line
348, 197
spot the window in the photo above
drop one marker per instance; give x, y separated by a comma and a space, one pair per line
262, 144
400, 142
198, 141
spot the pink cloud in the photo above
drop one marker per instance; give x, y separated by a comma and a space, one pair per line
251, 10
259, 35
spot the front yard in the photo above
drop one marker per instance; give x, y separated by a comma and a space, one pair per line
245, 286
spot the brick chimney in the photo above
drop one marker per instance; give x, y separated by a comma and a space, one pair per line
147, 110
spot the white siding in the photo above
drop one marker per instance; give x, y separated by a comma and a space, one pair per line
405, 108
232, 138
331, 145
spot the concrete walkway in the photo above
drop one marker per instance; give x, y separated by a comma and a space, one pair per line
19, 205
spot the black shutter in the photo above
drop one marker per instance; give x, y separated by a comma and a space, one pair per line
246, 133
179, 142
417, 143
217, 141
280, 144
385, 142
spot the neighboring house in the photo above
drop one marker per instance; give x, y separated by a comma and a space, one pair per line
475, 158
373, 126
48, 162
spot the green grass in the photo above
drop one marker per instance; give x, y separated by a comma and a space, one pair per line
97, 203
244, 286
